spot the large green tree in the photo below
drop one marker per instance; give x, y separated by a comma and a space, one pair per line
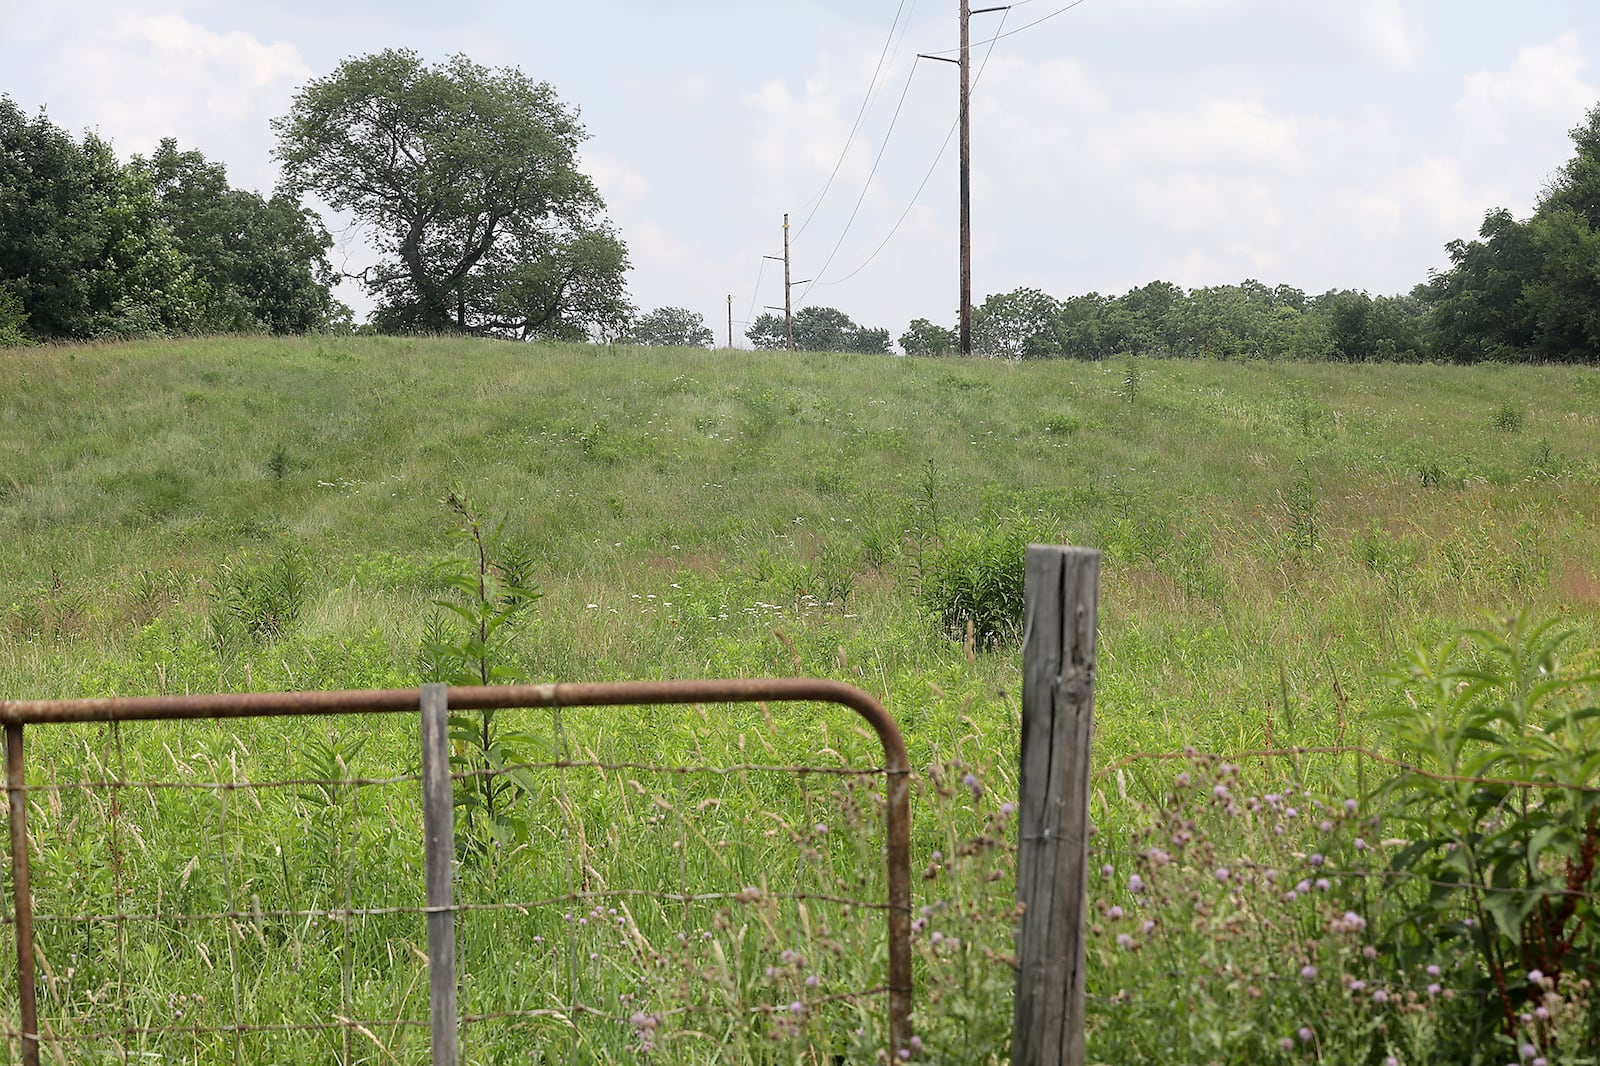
83, 247
468, 180
263, 261
1528, 289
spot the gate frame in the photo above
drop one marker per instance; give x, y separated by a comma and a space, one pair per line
15, 714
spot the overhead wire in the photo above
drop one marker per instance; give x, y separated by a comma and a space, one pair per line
755, 293
866, 185
884, 55
1011, 33
978, 77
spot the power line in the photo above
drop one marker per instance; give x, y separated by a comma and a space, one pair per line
755, 293
865, 185
925, 178
861, 114
1019, 29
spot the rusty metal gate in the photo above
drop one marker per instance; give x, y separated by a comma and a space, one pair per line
432, 702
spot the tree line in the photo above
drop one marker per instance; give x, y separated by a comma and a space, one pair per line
466, 179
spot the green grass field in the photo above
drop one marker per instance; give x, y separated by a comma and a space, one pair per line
244, 514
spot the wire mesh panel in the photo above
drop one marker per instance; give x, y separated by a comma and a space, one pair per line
224, 891
252, 889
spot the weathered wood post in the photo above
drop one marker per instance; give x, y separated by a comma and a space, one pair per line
1058, 665
439, 850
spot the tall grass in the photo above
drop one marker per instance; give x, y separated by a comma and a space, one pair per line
252, 514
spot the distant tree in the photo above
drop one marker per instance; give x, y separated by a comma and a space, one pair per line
1015, 325
670, 327
1094, 327
925, 338
83, 247
818, 329
264, 262
469, 178
1527, 289
767, 333
1476, 308
1150, 307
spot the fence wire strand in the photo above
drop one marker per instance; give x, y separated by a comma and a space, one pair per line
334, 830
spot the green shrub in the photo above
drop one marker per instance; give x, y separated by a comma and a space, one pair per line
1500, 800
974, 583
257, 600
1507, 418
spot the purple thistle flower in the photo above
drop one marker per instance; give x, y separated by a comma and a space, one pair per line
974, 786
1114, 913
1380, 996
1124, 940
1309, 972
1135, 884
1306, 1034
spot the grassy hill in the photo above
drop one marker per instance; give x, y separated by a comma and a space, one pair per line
233, 514
1253, 516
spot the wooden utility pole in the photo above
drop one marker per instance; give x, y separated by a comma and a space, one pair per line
965, 122
788, 307
730, 320
788, 304
966, 188
788, 286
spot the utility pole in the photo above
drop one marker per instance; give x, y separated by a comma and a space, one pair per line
965, 123
966, 188
788, 303
730, 320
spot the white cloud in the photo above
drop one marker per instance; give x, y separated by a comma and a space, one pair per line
1390, 32
142, 77
1544, 86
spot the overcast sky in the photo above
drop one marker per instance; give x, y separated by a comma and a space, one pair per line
1321, 145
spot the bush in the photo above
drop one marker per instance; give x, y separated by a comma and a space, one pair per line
1500, 798
974, 583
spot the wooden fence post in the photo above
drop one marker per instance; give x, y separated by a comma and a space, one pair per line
1058, 664
439, 846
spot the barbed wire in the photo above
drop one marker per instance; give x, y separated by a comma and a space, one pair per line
1342, 749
